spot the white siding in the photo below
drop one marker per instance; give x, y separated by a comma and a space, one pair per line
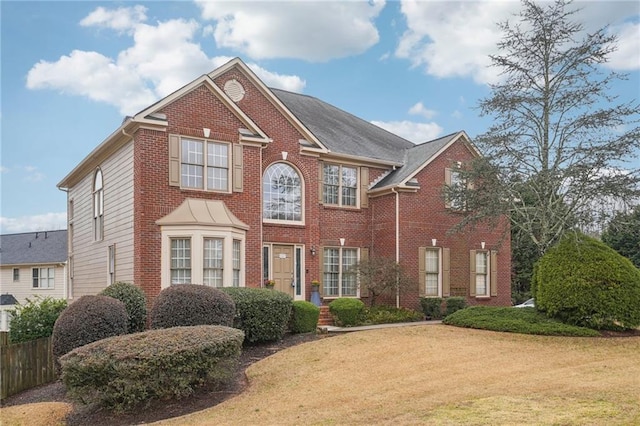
23, 288
90, 258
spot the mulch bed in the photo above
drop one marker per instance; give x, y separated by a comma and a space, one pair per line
203, 398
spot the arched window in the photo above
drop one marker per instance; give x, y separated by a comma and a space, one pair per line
282, 193
98, 206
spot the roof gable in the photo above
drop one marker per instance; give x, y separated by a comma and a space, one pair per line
419, 156
33, 248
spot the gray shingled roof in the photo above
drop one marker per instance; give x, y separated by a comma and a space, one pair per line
33, 248
414, 158
342, 132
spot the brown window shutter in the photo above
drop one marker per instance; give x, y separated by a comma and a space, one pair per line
447, 182
364, 256
446, 275
364, 186
472, 273
174, 160
237, 168
321, 270
320, 181
422, 271
494, 273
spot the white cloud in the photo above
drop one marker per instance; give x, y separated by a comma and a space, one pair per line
627, 57
163, 58
454, 38
32, 174
42, 222
4, 169
120, 19
313, 31
412, 131
420, 109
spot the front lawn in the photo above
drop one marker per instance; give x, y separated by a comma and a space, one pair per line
514, 320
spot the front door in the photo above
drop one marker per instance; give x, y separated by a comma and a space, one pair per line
283, 269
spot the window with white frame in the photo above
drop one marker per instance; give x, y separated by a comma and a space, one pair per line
237, 262
213, 262
339, 185
98, 206
282, 193
339, 272
482, 273
16, 274
180, 261
43, 277
432, 272
112, 264
204, 165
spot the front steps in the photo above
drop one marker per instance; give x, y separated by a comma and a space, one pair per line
325, 317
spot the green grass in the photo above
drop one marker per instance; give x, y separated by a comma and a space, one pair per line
515, 320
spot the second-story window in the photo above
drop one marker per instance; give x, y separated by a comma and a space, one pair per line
339, 185
98, 206
282, 193
204, 165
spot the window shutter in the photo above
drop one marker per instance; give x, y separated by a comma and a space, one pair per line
472, 273
447, 182
446, 276
237, 168
422, 271
494, 273
174, 160
320, 169
364, 186
321, 271
364, 256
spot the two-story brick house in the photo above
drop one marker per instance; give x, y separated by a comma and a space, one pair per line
227, 182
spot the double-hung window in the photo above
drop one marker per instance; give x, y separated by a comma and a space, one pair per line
213, 262
237, 262
204, 165
98, 206
339, 185
180, 261
43, 277
482, 273
434, 266
432, 272
339, 272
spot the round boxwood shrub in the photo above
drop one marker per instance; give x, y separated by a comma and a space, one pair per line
88, 319
261, 313
134, 301
192, 304
347, 311
584, 282
304, 317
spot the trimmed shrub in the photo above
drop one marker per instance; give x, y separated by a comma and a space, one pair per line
192, 304
88, 319
514, 320
304, 317
584, 282
454, 304
123, 372
261, 313
431, 307
390, 314
134, 300
35, 319
347, 311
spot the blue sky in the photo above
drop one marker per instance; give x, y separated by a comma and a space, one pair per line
71, 71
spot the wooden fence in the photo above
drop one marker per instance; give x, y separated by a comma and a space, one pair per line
25, 365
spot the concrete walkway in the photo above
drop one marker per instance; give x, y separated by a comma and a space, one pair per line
334, 329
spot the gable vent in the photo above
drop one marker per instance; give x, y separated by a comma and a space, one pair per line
234, 90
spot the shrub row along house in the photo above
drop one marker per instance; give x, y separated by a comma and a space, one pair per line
227, 182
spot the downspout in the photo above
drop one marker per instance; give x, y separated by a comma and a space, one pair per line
395, 191
66, 276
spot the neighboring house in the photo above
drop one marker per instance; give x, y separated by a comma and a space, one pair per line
31, 264
227, 182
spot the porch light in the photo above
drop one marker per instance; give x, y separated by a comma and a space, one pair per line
313, 250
